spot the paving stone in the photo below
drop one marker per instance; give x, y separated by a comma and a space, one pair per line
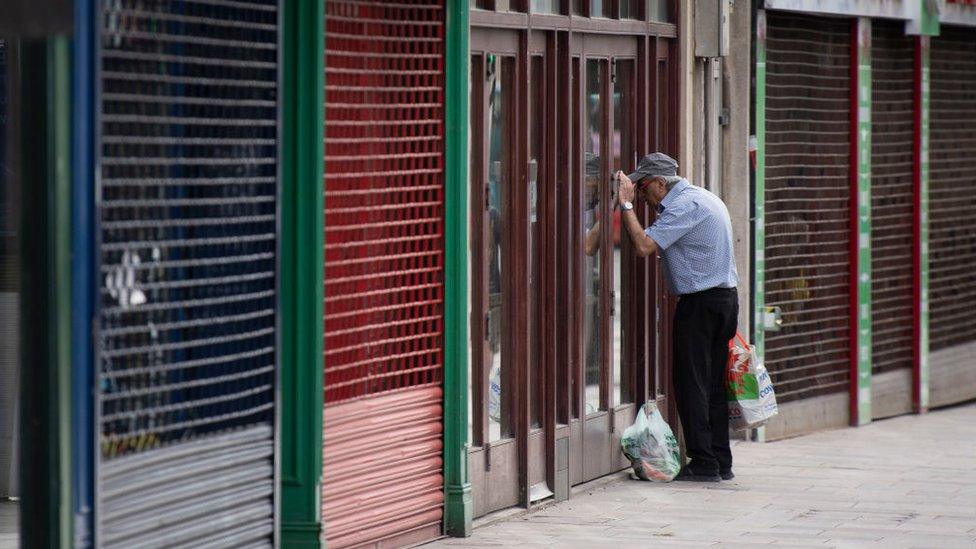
861, 487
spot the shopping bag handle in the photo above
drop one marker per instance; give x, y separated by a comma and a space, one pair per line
741, 339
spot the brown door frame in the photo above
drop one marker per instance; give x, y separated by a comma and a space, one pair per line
607, 423
499, 459
559, 207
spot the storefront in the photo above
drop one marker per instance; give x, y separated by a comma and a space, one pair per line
952, 226
841, 257
185, 193
568, 326
892, 217
382, 477
807, 199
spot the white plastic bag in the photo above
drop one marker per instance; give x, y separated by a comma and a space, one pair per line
650, 446
752, 400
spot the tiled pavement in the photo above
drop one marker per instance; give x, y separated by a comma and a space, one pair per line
903, 482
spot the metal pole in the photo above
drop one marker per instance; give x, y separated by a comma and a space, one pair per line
459, 507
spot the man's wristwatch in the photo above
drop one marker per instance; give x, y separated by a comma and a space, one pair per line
627, 206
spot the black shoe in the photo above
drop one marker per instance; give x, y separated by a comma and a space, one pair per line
726, 475
688, 474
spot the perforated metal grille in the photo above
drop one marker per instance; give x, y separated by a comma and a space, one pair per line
952, 202
187, 216
187, 258
892, 162
384, 187
807, 203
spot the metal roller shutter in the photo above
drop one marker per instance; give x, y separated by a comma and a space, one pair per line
807, 203
186, 319
952, 169
384, 247
892, 228
9, 393
9, 301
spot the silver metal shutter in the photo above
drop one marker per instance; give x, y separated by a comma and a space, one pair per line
9, 298
187, 245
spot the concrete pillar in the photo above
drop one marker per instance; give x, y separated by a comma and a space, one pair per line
734, 173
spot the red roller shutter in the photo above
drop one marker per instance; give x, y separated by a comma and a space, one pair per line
892, 162
807, 203
384, 247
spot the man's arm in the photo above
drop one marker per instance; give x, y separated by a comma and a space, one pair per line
591, 243
644, 244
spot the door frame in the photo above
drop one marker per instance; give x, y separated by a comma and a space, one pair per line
655, 51
500, 463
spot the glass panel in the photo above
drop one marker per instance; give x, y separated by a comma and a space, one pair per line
535, 179
547, 6
658, 10
593, 174
500, 72
474, 92
663, 102
577, 7
628, 9
596, 8
623, 158
506, 5
575, 88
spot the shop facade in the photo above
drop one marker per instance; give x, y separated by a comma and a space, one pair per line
843, 266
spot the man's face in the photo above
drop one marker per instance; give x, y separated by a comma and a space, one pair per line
653, 189
592, 189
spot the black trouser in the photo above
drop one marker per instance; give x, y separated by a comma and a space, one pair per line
704, 322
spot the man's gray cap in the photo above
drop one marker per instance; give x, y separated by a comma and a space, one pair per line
593, 164
655, 164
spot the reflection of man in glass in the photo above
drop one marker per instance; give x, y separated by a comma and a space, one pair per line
493, 351
591, 198
591, 268
497, 180
693, 234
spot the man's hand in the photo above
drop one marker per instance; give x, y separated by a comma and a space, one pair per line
626, 192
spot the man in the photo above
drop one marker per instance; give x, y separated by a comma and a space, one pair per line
693, 234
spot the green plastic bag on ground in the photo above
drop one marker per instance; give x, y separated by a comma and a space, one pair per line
650, 446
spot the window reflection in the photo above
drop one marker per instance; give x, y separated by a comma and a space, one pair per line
547, 6
623, 158
658, 10
535, 181
593, 348
474, 96
577, 92
596, 8
500, 71
628, 9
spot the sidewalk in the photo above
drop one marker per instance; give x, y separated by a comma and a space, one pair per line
904, 482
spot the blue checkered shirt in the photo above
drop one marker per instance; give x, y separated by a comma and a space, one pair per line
694, 234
